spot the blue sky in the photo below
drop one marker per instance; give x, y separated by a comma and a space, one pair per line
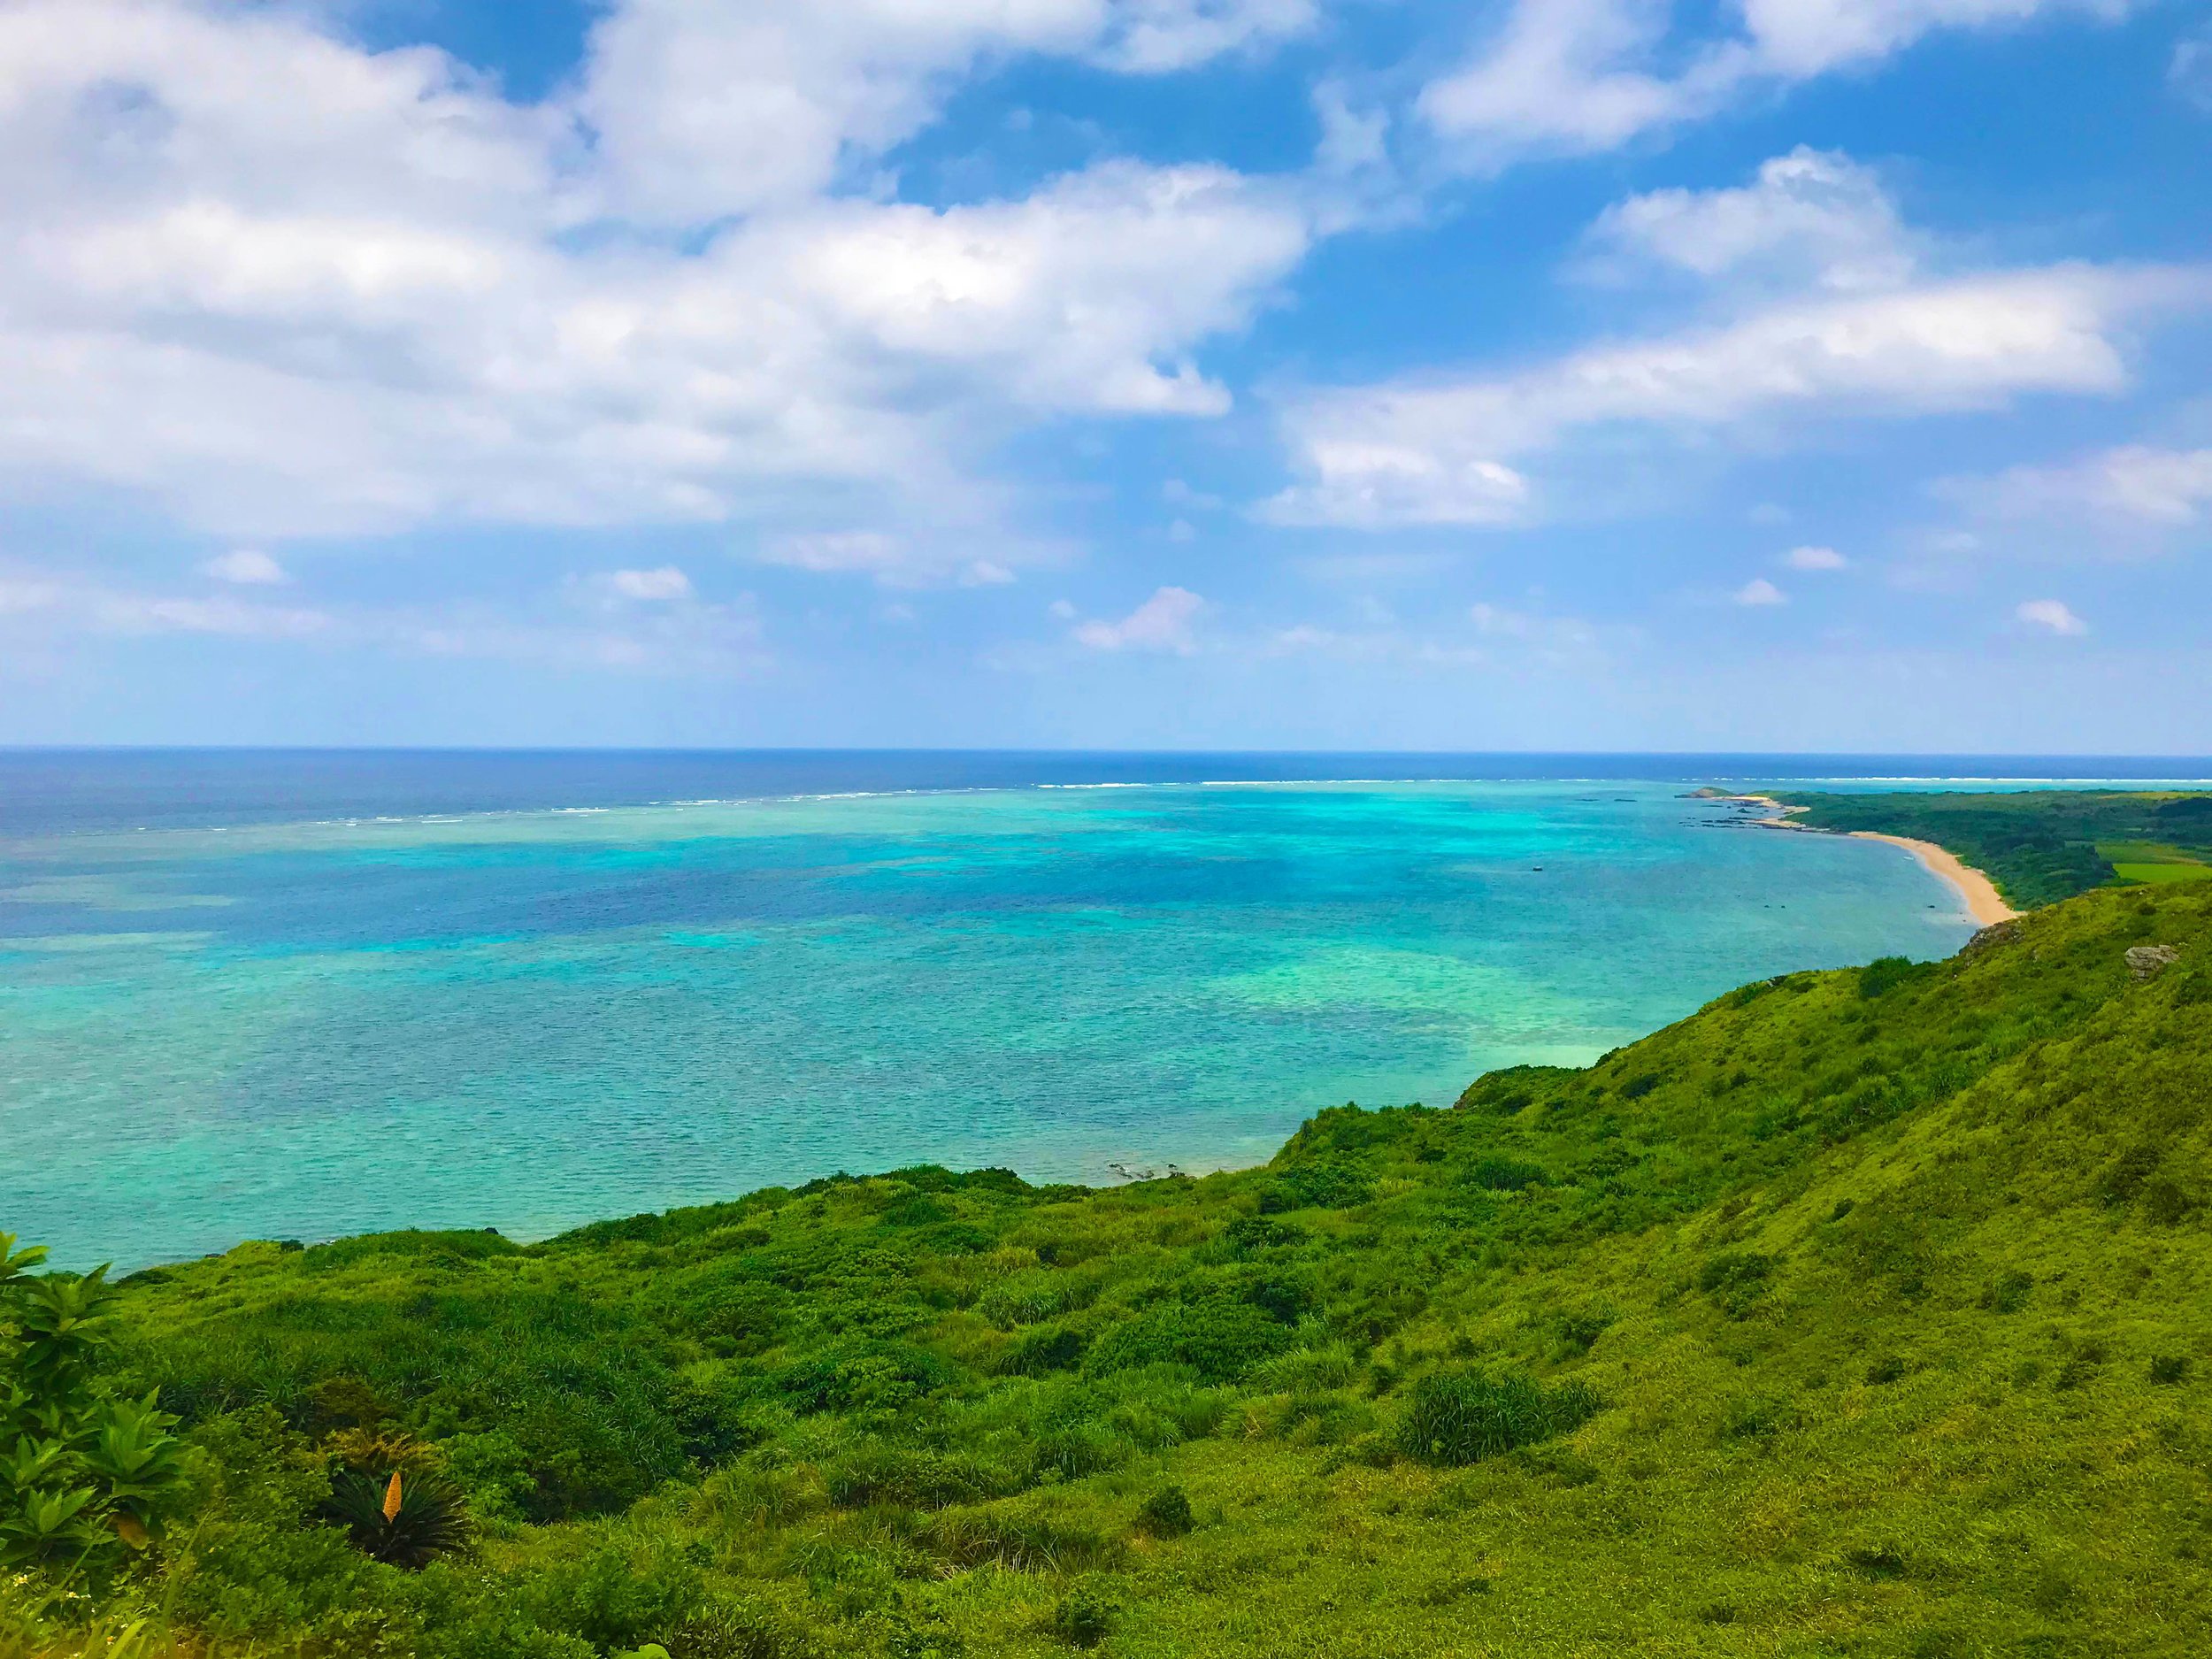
1793, 374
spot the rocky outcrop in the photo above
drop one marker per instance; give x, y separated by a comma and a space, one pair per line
2146, 960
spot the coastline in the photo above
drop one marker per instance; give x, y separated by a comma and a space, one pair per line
1974, 889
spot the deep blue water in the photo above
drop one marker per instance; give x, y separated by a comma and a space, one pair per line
252, 994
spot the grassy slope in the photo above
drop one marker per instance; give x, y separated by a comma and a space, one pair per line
2038, 846
1869, 1269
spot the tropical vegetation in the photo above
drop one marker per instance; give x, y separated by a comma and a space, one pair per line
1863, 1312
2038, 846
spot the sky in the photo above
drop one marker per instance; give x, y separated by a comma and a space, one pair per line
1774, 376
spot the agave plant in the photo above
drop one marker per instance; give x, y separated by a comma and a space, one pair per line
409, 1520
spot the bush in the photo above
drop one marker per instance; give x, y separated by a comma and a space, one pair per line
1736, 1279
1506, 1175
1885, 974
83, 1475
1315, 1187
1044, 1350
1166, 1513
1219, 1338
2008, 1293
1463, 1417
1084, 1617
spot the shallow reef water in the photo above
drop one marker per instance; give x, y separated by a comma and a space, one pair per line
531, 1016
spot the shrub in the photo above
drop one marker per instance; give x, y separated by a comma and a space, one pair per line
1578, 1331
1463, 1417
2008, 1293
1044, 1350
1757, 1417
1736, 1279
1314, 1186
1084, 1617
83, 1475
1166, 1513
1506, 1175
1218, 1338
1250, 1233
1885, 974
2170, 1368
729, 1629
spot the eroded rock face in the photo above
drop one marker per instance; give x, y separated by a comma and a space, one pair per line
1995, 933
2145, 960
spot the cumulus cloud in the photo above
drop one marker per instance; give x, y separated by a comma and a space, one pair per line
1580, 75
2133, 487
2051, 614
2189, 72
68, 603
666, 582
1815, 559
248, 567
1811, 215
1162, 623
893, 561
1817, 308
705, 109
1758, 592
595, 622
1456, 451
278, 284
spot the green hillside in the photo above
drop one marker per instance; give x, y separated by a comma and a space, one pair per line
1861, 1313
2042, 845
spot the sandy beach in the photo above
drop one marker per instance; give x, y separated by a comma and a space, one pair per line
1979, 893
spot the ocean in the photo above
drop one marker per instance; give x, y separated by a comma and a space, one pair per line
300, 994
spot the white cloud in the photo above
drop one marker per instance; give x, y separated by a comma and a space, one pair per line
1579, 75
1162, 623
2189, 72
1556, 637
1458, 450
1815, 559
706, 109
71, 603
1810, 216
893, 561
2133, 487
249, 567
666, 582
2052, 614
1758, 591
589, 622
278, 284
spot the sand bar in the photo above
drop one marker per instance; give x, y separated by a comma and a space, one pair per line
1982, 902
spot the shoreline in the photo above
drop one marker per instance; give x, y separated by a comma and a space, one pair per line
1983, 903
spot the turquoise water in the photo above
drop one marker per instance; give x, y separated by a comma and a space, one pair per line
531, 1018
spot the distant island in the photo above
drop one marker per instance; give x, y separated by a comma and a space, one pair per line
1862, 1311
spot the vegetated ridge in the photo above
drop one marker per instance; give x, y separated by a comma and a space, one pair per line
2038, 846
1863, 1312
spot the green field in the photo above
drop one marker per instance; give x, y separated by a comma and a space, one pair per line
1865, 1312
2149, 861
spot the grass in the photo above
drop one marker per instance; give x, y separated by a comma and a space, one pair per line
2151, 861
1865, 1312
